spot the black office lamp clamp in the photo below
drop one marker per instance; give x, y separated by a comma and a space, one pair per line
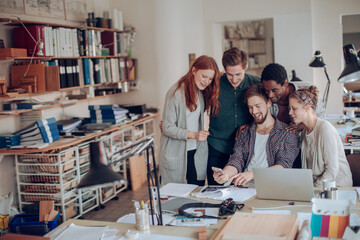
317, 62
101, 175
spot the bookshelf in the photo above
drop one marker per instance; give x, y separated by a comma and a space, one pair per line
88, 67
253, 37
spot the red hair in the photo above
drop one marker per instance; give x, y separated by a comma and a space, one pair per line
211, 92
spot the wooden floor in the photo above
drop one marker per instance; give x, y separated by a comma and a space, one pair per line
114, 209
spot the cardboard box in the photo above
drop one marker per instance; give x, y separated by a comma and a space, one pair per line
13, 52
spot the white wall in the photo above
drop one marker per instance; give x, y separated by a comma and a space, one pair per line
166, 32
289, 18
327, 36
300, 28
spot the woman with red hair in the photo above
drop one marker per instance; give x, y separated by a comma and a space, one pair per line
184, 152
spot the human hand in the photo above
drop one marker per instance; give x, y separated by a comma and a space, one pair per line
201, 135
240, 130
219, 176
243, 178
294, 128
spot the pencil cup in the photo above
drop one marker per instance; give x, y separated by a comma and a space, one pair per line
142, 219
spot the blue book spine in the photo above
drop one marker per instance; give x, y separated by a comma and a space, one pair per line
48, 129
48, 121
86, 68
25, 105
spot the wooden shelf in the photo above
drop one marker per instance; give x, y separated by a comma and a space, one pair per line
75, 141
14, 112
52, 58
16, 22
64, 89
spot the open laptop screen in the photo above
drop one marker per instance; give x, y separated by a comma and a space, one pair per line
284, 184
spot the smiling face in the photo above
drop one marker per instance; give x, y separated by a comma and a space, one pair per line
274, 90
258, 108
235, 74
298, 111
203, 78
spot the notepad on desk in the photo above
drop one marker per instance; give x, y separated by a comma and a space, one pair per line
238, 194
177, 189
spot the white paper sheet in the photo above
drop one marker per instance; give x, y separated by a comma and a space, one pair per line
207, 221
237, 194
82, 233
177, 189
283, 212
144, 236
130, 218
347, 195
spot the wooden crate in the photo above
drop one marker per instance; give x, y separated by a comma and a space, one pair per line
137, 167
258, 226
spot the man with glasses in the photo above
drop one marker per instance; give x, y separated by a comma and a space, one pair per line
233, 110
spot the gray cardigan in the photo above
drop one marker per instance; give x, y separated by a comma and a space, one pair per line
173, 154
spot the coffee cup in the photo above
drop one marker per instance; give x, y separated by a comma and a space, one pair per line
331, 193
328, 184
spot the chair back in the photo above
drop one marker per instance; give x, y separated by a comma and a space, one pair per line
354, 162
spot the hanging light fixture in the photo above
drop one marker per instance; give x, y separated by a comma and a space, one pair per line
351, 72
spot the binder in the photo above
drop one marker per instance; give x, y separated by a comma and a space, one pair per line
97, 76
86, 69
69, 73
62, 70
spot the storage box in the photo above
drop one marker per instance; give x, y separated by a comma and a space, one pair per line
29, 224
13, 52
329, 218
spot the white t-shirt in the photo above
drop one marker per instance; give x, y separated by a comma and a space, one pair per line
192, 124
259, 159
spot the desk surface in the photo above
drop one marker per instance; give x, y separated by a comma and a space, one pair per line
193, 231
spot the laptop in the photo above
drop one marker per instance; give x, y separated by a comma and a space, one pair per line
284, 184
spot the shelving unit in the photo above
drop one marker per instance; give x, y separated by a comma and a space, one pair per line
118, 75
50, 177
253, 37
54, 176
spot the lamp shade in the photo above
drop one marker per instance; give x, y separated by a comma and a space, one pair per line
351, 72
99, 174
318, 60
294, 77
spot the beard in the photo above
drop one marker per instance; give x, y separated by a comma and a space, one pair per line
261, 120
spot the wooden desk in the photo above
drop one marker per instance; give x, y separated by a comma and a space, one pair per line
193, 231
123, 227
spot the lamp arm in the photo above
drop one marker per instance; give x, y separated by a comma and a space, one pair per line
327, 88
136, 149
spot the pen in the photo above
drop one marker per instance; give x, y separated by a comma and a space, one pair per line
204, 189
142, 204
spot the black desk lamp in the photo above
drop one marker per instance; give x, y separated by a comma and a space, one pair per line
318, 62
101, 175
294, 77
351, 72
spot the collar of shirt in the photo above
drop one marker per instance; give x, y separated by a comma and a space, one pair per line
227, 84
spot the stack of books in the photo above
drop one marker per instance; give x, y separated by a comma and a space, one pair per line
9, 140
67, 126
45, 131
111, 113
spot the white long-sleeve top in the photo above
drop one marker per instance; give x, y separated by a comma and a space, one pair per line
323, 152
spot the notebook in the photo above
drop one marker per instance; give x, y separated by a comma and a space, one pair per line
284, 184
